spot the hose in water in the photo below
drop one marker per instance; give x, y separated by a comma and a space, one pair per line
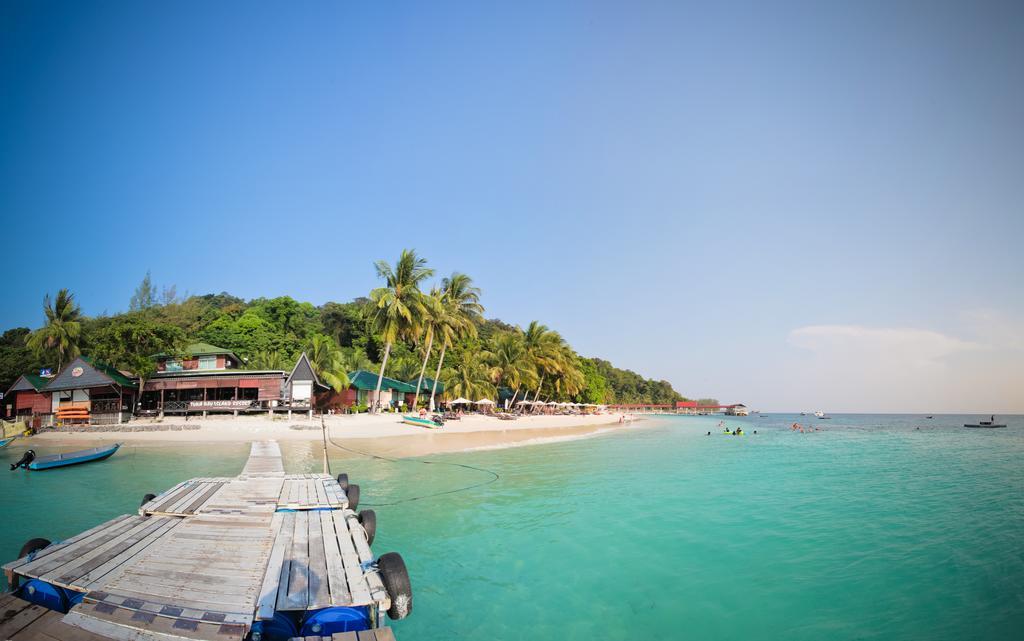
494, 476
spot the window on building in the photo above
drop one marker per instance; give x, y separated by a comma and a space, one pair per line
172, 366
207, 362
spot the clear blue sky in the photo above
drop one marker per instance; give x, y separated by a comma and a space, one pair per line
796, 206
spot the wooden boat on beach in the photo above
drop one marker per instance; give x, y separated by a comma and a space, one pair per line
432, 424
32, 462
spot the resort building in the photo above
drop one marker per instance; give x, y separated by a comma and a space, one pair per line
207, 380
739, 409
89, 391
26, 397
363, 388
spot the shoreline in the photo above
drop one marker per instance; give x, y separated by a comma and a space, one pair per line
384, 434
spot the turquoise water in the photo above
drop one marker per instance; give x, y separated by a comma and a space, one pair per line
870, 529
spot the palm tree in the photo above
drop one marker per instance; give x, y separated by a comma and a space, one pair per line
542, 349
435, 315
60, 336
570, 380
462, 312
471, 378
328, 362
510, 363
270, 359
398, 306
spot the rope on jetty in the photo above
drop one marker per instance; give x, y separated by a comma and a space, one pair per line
494, 475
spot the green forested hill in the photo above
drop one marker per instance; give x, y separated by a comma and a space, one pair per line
481, 355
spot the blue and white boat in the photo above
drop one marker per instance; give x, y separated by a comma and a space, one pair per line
32, 462
4, 442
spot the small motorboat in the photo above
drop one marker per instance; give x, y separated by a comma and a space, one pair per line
929, 417
32, 462
433, 422
4, 442
985, 424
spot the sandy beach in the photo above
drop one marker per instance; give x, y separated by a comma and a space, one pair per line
382, 434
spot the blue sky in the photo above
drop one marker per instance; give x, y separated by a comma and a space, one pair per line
792, 205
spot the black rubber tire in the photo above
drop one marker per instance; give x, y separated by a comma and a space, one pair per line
368, 519
343, 481
32, 545
396, 582
147, 499
352, 492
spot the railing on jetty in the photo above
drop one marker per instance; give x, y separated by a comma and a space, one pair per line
257, 556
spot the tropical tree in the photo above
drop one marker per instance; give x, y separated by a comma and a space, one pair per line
471, 378
269, 359
510, 364
131, 343
59, 337
434, 316
463, 311
328, 361
542, 350
398, 306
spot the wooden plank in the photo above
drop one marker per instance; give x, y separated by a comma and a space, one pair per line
319, 582
321, 493
51, 627
110, 570
358, 534
338, 584
16, 615
282, 525
357, 585
87, 561
101, 541
66, 545
124, 624
206, 496
298, 577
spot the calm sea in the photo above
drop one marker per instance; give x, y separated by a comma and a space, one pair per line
869, 529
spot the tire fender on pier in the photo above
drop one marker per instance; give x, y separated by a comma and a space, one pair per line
396, 581
32, 545
352, 492
368, 519
343, 481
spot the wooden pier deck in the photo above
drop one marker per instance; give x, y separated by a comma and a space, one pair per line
207, 558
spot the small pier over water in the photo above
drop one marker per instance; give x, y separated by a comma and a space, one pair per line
265, 556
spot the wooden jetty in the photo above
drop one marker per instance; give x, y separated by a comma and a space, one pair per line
211, 559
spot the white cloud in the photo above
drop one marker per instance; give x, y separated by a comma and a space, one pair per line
859, 368
905, 346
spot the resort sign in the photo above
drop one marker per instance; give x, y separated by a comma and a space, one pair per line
227, 404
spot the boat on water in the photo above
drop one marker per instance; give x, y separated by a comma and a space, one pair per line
32, 462
433, 423
4, 442
990, 424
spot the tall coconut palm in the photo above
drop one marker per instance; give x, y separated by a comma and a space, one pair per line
463, 311
59, 337
570, 380
542, 349
509, 361
328, 362
471, 378
435, 315
398, 306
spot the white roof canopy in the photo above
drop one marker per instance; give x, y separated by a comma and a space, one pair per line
464, 401
484, 401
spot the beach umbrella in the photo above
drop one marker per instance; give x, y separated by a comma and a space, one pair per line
461, 401
484, 401
524, 402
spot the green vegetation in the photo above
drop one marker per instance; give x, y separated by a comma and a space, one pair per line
403, 330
